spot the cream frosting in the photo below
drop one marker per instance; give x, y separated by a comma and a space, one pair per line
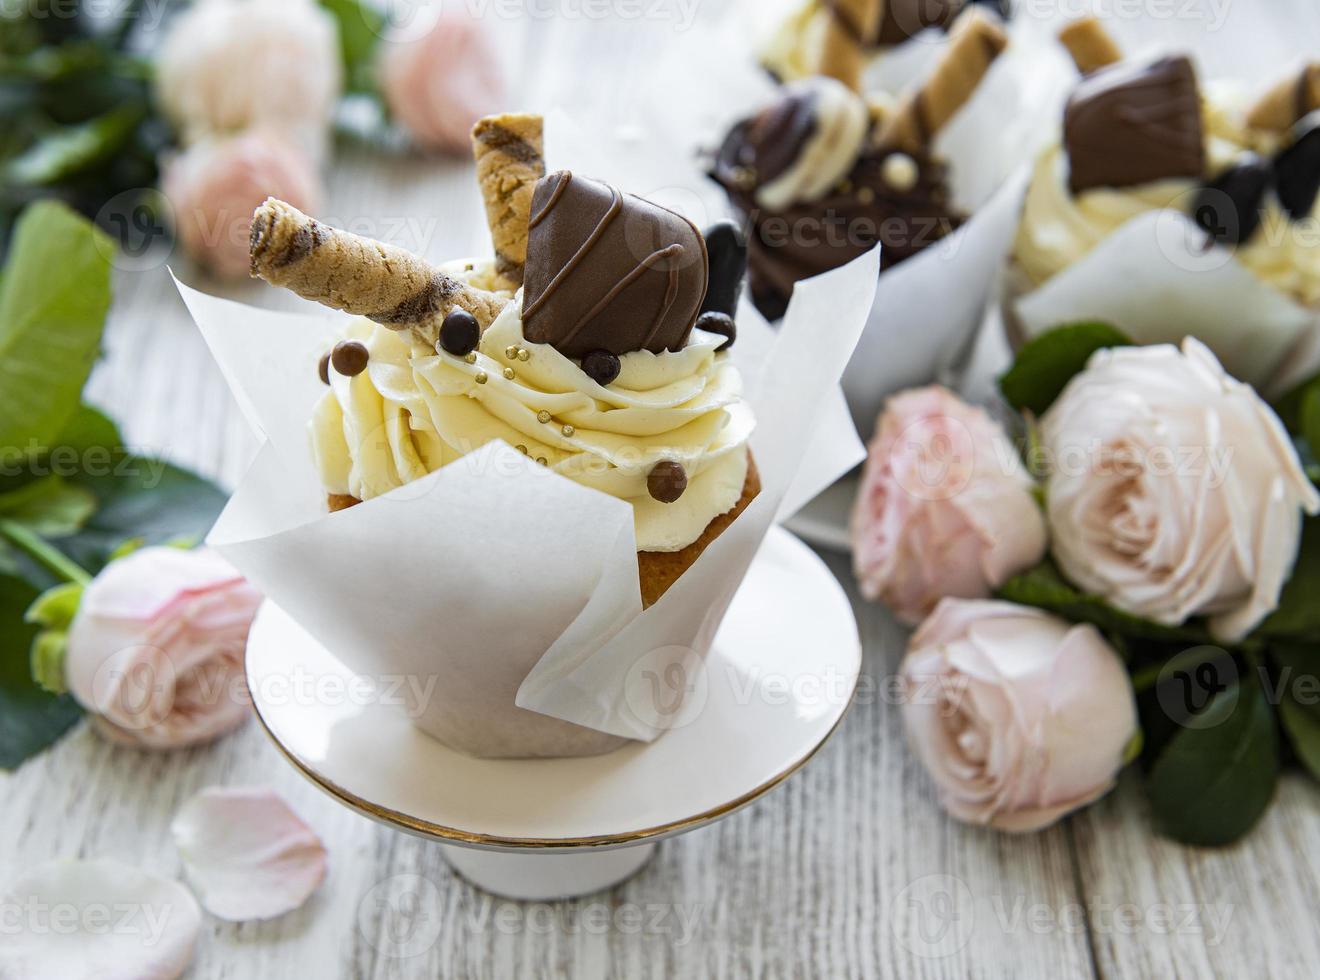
1059, 228
842, 120
414, 410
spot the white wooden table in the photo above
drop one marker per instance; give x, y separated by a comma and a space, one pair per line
848, 870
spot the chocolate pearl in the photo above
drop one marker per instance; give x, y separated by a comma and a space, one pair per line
1297, 170
601, 366
722, 324
666, 481
460, 333
349, 358
726, 252
1228, 209
323, 368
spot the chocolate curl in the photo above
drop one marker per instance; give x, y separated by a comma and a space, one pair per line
1090, 45
974, 44
1288, 101
510, 156
848, 24
358, 275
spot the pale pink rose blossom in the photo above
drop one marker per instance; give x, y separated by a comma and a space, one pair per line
945, 506
156, 649
1019, 717
214, 186
248, 855
437, 85
1174, 490
231, 65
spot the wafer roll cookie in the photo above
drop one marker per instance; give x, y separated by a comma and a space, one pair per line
367, 278
510, 155
1090, 45
848, 24
974, 44
1288, 101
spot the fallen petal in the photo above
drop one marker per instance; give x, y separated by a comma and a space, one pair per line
97, 920
247, 854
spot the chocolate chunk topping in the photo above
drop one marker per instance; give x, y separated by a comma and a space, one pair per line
904, 18
460, 333
609, 271
323, 368
761, 148
666, 481
1228, 209
727, 248
719, 323
1132, 124
349, 358
601, 366
1297, 170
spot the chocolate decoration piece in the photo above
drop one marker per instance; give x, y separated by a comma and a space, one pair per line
460, 333
609, 271
1297, 170
666, 481
1132, 124
1228, 209
719, 323
727, 249
601, 366
349, 358
904, 18
323, 368
763, 147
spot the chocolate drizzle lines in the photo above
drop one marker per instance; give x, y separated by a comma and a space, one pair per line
616, 205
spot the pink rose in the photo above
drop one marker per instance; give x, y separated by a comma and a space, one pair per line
945, 507
156, 649
1019, 716
214, 186
437, 85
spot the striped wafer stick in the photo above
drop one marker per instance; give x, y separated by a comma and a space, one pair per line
510, 158
849, 23
1288, 101
974, 43
358, 275
1090, 45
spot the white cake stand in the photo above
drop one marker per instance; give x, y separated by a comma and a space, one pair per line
775, 686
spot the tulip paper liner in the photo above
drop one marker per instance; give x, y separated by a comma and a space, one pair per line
1155, 280
492, 580
1212, 748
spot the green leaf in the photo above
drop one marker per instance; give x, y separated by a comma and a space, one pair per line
30, 718
1214, 778
89, 439
1289, 407
1299, 701
147, 499
53, 302
361, 27
49, 507
56, 607
1045, 588
70, 150
1046, 363
1298, 614
1309, 421
47, 661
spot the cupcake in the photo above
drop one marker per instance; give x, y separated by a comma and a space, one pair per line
823, 174
1142, 139
594, 341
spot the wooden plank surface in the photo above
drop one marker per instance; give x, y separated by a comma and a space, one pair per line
848, 870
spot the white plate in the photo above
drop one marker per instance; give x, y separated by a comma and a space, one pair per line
776, 685
824, 520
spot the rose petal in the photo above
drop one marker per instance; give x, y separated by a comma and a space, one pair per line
97, 920
248, 855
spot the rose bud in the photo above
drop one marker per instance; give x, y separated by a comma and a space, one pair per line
945, 507
1019, 717
156, 648
1174, 490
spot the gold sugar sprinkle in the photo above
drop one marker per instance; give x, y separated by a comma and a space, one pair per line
542, 460
511, 352
521, 448
568, 430
866, 195
470, 357
524, 354
543, 416
481, 377
508, 373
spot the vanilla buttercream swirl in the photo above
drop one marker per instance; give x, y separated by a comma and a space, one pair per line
1059, 228
414, 410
